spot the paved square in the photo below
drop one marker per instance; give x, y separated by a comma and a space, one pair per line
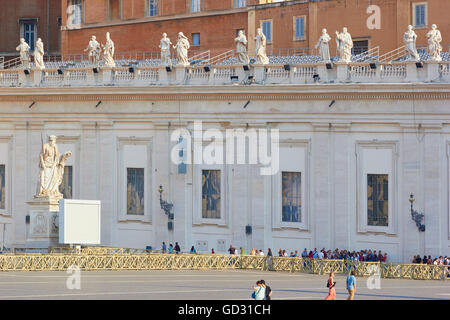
204, 285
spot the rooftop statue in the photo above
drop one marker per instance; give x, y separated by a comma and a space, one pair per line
241, 48
94, 51
434, 44
164, 45
409, 39
39, 55
322, 44
51, 170
344, 45
108, 52
24, 51
182, 47
261, 56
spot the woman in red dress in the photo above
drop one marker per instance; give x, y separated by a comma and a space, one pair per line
331, 291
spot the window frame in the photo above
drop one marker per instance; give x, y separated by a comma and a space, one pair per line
193, 43
200, 6
375, 200
110, 18
82, 15
294, 23
143, 191
149, 6
242, 2
414, 6
261, 22
22, 23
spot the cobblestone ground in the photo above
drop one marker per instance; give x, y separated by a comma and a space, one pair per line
204, 285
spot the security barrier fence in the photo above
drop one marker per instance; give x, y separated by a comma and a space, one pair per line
115, 259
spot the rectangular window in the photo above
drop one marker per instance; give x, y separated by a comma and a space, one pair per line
196, 39
196, 5
2, 186
299, 28
240, 3
291, 196
360, 46
135, 191
152, 8
75, 11
28, 34
267, 30
420, 14
211, 194
377, 200
115, 9
66, 186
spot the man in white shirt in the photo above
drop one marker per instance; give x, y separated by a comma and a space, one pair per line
320, 255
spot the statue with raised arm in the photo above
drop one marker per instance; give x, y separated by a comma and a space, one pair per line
409, 39
51, 173
108, 52
322, 44
39, 55
94, 51
182, 47
24, 53
164, 45
241, 48
434, 44
261, 56
344, 45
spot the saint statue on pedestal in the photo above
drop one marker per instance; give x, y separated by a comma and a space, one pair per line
108, 52
344, 45
409, 39
241, 48
164, 45
182, 49
322, 44
39, 55
51, 170
261, 56
24, 53
434, 44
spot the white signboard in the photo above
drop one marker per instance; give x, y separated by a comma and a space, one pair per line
79, 221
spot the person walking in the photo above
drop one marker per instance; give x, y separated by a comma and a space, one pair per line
177, 248
170, 248
351, 285
268, 290
164, 247
259, 292
331, 287
193, 250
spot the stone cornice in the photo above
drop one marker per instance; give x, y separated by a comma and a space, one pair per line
396, 91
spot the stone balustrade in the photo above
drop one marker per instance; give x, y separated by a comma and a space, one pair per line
395, 72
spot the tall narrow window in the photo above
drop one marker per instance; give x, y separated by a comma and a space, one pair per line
299, 28
267, 30
196, 5
196, 39
115, 10
377, 200
240, 3
152, 8
211, 194
420, 14
135, 191
75, 12
291, 196
66, 186
29, 34
2, 186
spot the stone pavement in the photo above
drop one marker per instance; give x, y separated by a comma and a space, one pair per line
204, 285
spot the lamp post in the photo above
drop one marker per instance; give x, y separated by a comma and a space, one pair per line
166, 206
416, 216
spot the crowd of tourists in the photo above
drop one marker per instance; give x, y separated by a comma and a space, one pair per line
429, 260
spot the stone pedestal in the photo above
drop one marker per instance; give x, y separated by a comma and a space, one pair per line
322, 71
163, 78
411, 71
432, 70
342, 71
107, 74
180, 74
42, 223
37, 77
259, 72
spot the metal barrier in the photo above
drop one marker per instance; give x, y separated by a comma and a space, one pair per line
119, 259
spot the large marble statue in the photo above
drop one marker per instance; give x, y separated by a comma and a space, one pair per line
94, 51
24, 52
108, 52
182, 49
51, 170
409, 39
39, 55
344, 45
261, 56
434, 44
322, 44
164, 45
241, 48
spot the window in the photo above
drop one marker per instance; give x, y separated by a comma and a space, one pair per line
74, 10
115, 9
66, 186
196, 39
420, 14
152, 8
195, 5
135, 191
267, 30
360, 46
2, 186
211, 194
299, 27
377, 200
240, 3
291, 196
29, 34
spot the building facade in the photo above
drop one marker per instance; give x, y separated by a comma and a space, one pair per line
137, 25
